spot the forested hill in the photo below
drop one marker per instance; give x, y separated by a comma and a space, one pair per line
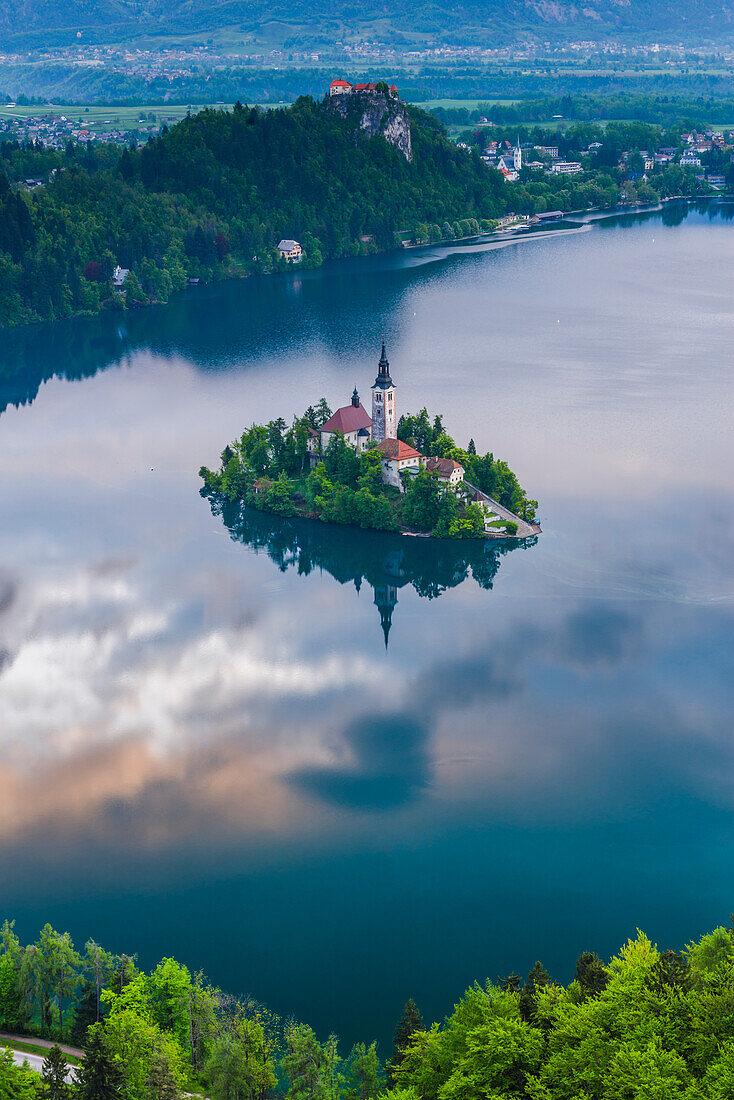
211, 198
488, 20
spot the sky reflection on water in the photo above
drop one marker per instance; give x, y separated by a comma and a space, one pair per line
202, 750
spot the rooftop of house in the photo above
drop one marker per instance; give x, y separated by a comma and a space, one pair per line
288, 246
444, 467
349, 419
395, 448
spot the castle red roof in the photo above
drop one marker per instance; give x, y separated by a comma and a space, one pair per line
340, 84
349, 419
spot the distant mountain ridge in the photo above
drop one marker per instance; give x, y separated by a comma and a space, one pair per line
487, 19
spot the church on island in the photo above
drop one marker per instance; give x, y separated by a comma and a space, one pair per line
358, 428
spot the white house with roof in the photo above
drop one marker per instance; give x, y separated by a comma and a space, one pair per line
340, 87
448, 472
398, 458
291, 251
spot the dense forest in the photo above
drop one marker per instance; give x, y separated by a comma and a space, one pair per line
647, 1025
211, 198
269, 468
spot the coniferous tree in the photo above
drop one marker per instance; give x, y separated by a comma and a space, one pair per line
591, 974
537, 979
409, 1023
511, 983
54, 1073
98, 1076
86, 1011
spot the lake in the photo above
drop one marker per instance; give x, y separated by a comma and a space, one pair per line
208, 749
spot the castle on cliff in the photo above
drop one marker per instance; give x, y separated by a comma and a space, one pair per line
343, 87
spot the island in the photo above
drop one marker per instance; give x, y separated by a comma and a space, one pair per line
401, 474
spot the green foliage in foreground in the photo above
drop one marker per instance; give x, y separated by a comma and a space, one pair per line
211, 198
648, 1025
268, 468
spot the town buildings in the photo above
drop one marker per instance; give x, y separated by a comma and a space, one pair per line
565, 168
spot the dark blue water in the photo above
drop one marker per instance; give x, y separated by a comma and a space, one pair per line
207, 750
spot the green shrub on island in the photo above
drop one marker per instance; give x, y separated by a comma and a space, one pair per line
647, 1025
485, 472
269, 468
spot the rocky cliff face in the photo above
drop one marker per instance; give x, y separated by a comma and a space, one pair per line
376, 113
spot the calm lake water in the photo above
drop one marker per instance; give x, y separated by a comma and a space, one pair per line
207, 749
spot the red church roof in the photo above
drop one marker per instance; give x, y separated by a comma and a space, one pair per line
349, 419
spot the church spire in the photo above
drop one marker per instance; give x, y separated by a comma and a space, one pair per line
384, 406
383, 370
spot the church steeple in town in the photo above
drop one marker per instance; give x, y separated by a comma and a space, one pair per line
384, 405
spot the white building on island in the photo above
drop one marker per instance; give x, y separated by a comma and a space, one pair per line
398, 458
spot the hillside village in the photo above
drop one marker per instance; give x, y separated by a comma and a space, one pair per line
702, 151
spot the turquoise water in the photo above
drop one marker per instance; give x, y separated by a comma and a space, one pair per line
207, 748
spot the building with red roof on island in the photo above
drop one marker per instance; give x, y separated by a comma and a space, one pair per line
353, 423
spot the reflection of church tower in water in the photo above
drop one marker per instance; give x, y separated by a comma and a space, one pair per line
386, 596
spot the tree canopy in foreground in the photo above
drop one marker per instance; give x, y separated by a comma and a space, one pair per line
650, 1024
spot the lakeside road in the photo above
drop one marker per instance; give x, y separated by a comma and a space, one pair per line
35, 1062
6, 1037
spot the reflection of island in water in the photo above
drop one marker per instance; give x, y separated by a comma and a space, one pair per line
387, 562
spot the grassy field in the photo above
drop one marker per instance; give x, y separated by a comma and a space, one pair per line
121, 118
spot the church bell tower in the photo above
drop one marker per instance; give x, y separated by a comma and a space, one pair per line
384, 407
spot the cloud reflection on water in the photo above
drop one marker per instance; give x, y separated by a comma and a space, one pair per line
175, 707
